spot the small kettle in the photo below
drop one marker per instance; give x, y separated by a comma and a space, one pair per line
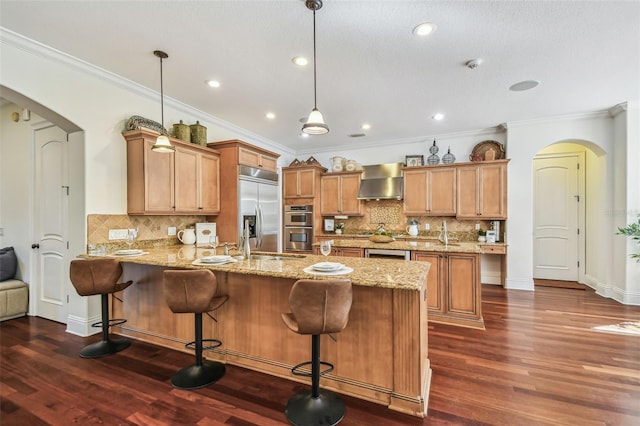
412, 229
187, 236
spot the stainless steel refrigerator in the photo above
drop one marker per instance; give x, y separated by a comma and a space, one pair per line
259, 207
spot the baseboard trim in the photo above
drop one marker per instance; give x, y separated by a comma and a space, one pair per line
611, 292
521, 284
82, 326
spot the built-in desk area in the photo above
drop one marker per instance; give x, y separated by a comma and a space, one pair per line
381, 355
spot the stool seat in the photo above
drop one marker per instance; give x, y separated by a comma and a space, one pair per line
317, 307
194, 291
100, 277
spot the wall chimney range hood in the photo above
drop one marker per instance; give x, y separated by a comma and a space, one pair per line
381, 182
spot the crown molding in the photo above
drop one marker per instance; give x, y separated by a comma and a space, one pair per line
558, 118
35, 48
618, 109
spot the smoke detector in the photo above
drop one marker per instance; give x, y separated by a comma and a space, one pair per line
473, 64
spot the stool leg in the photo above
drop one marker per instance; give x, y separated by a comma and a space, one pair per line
106, 346
203, 372
316, 406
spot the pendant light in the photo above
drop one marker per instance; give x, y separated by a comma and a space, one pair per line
162, 143
315, 123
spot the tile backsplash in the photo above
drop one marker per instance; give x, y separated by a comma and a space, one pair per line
150, 228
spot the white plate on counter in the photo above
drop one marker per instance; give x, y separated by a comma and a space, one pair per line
200, 262
216, 259
129, 252
342, 271
327, 266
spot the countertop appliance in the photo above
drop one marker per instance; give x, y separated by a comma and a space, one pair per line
258, 192
298, 227
388, 253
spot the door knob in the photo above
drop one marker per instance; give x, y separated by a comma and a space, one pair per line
35, 246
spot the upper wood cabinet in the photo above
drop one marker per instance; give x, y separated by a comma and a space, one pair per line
183, 182
339, 194
301, 182
242, 153
430, 191
482, 190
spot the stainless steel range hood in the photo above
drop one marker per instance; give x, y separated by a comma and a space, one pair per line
381, 182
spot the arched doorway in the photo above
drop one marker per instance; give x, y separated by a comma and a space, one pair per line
566, 178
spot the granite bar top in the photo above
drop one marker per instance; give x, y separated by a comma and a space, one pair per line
386, 273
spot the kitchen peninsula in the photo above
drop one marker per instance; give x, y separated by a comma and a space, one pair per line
380, 356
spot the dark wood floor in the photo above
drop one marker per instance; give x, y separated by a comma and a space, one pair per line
537, 363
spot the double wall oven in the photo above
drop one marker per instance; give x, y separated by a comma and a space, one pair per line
298, 228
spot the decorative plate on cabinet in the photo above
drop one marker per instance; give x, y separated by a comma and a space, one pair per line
479, 151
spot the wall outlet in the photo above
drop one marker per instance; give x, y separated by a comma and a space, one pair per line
171, 231
477, 226
118, 234
427, 226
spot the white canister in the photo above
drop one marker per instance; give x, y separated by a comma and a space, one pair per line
337, 164
351, 165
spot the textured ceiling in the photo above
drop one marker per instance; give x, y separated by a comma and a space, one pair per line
371, 68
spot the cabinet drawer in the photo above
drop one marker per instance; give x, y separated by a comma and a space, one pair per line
491, 249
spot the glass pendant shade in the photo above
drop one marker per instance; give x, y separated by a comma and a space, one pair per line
162, 145
315, 124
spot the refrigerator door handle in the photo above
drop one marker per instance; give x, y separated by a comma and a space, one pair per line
258, 227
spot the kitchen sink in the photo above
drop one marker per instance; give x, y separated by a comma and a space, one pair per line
274, 257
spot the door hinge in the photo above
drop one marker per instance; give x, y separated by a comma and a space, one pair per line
578, 263
67, 298
578, 231
578, 166
67, 188
67, 245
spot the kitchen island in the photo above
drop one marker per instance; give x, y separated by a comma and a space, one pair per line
381, 355
453, 286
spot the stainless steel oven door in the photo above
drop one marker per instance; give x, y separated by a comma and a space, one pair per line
298, 238
298, 218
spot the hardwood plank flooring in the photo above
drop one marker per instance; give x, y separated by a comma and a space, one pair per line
559, 283
537, 363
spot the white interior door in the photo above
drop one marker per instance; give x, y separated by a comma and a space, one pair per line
556, 217
51, 228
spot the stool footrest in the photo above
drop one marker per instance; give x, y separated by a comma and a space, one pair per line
112, 322
296, 370
214, 344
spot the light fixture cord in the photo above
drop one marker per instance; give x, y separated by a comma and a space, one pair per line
315, 93
161, 96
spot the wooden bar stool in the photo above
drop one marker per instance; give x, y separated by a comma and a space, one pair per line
317, 307
100, 276
194, 292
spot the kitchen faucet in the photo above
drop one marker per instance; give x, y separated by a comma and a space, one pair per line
444, 235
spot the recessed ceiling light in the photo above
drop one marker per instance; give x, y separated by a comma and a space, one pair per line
300, 61
524, 85
424, 29
213, 83
270, 115
365, 126
438, 116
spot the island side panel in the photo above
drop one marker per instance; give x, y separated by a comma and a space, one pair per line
412, 371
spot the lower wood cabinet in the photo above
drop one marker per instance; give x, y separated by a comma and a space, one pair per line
339, 251
453, 288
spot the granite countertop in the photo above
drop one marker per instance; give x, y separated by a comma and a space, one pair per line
413, 245
396, 274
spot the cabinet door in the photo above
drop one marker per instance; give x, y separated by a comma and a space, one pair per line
349, 187
351, 252
159, 175
468, 193
329, 195
290, 183
187, 180
269, 163
435, 282
306, 183
442, 191
209, 184
415, 192
248, 157
463, 293
493, 191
